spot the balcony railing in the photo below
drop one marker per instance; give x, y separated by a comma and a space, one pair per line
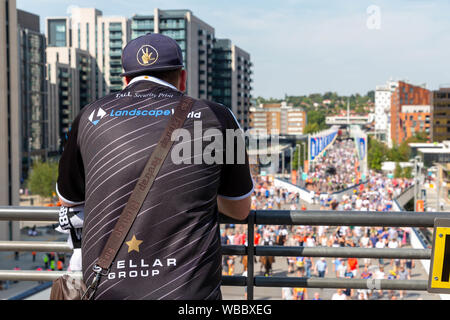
263, 217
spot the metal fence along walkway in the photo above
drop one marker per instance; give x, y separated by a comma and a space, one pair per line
262, 217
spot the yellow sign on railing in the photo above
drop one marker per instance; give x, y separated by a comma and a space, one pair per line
439, 275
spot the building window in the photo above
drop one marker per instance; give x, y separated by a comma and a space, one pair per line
57, 33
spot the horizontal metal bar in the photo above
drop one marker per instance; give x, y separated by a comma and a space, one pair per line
259, 281
276, 217
343, 252
296, 282
349, 218
278, 251
29, 213
238, 250
40, 246
237, 281
32, 275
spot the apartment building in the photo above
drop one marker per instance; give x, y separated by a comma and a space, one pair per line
231, 79
33, 91
278, 117
70, 89
405, 94
383, 110
195, 38
414, 119
10, 120
441, 114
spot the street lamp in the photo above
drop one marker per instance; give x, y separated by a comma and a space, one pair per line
299, 168
292, 158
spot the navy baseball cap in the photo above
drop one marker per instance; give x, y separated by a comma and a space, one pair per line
151, 52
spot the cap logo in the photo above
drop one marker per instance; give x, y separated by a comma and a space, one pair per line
147, 55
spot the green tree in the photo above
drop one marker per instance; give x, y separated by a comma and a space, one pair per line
377, 153
311, 128
42, 179
398, 172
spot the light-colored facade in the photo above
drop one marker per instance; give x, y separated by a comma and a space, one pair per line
70, 89
277, 118
9, 115
113, 35
102, 37
382, 119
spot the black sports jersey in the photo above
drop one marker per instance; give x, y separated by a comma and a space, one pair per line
173, 249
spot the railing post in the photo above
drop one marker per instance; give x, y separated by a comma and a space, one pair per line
250, 255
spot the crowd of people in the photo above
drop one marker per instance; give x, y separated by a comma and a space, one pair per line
335, 169
377, 194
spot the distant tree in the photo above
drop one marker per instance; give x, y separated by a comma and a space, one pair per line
407, 172
398, 172
311, 128
377, 153
316, 117
42, 180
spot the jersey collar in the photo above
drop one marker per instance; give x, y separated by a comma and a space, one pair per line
153, 79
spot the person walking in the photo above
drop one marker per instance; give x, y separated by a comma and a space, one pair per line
321, 268
46, 261
108, 147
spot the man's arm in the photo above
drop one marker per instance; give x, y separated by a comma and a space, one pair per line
70, 186
236, 209
65, 204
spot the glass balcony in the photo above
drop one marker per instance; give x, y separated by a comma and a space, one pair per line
115, 36
115, 27
115, 53
115, 70
139, 25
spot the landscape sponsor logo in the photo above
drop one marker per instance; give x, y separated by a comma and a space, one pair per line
150, 113
96, 117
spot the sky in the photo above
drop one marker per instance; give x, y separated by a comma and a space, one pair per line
299, 47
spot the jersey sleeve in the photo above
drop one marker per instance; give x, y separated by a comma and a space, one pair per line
236, 181
70, 185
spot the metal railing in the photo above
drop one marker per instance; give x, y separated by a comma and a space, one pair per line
263, 217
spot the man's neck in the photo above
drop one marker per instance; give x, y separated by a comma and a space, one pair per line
153, 79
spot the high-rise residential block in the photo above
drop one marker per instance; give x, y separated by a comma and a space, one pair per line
272, 118
33, 91
383, 110
70, 89
231, 79
441, 114
10, 120
195, 37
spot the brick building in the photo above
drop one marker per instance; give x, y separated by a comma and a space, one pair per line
406, 94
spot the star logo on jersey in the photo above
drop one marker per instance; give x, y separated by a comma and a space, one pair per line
95, 118
133, 244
